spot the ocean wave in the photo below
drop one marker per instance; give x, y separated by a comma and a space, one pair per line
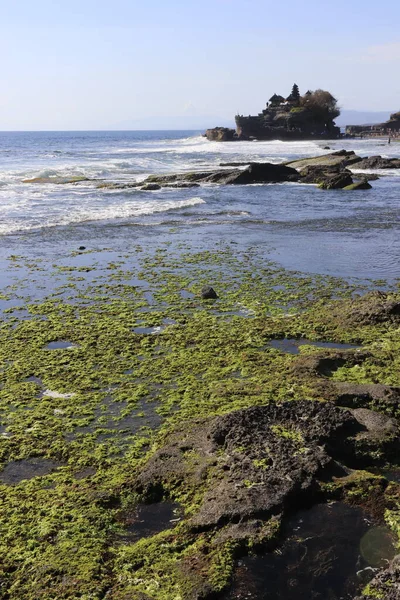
126, 210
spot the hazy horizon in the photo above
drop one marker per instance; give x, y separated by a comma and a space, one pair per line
95, 66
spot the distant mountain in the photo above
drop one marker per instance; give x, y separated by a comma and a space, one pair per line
361, 117
184, 122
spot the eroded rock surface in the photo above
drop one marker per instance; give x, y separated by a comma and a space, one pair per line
254, 462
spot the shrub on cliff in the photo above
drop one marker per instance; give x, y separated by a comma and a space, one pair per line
322, 103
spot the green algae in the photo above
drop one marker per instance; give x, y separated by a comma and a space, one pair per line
59, 534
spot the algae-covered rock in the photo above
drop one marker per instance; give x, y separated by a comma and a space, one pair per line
341, 158
57, 180
358, 185
250, 463
337, 182
378, 162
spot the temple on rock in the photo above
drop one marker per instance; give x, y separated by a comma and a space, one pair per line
295, 117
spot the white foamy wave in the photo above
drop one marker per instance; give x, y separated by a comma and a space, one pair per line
125, 210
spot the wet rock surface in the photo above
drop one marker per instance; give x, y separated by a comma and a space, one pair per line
254, 173
257, 461
378, 162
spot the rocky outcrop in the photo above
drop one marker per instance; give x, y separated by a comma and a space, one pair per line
336, 182
378, 162
257, 462
341, 158
254, 173
220, 134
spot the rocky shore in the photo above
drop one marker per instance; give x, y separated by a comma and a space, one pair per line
159, 442
329, 171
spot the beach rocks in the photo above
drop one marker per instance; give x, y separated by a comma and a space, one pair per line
254, 173
150, 187
253, 462
220, 134
341, 158
378, 162
336, 182
358, 185
208, 293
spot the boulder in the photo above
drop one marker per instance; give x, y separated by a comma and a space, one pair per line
208, 293
251, 463
337, 182
378, 162
220, 134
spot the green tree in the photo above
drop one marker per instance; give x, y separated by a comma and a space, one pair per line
321, 103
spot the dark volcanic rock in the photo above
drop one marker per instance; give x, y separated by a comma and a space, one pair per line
254, 173
341, 158
337, 182
208, 293
220, 134
378, 162
386, 585
150, 187
253, 463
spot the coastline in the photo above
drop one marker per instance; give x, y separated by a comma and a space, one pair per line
159, 446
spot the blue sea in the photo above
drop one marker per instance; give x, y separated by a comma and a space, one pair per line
348, 234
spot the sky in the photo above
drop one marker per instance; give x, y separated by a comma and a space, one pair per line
116, 64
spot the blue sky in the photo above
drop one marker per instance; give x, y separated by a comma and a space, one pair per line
97, 64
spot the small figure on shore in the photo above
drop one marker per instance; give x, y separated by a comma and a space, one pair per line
389, 141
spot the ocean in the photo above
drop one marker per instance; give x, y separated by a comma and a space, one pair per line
298, 226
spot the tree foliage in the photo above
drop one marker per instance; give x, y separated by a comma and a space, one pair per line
321, 103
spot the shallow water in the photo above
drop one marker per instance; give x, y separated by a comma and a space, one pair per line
292, 345
331, 552
149, 519
18, 470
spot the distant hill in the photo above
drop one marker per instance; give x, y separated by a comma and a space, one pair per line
360, 117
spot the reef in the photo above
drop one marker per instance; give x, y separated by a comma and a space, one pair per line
153, 439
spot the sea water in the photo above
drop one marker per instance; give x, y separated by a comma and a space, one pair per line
349, 234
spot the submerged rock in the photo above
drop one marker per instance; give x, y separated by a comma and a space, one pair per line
57, 180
